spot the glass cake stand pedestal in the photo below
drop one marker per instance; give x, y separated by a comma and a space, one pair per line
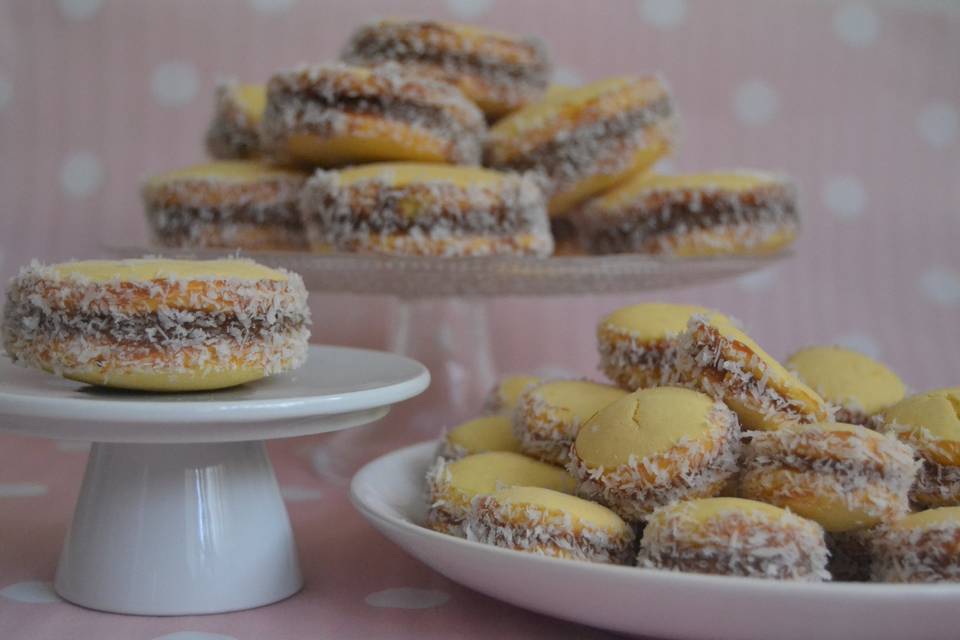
179, 512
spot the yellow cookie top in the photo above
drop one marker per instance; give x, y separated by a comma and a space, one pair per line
489, 433
577, 400
936, 412
705, 510
483, 473
645, 183
651, 321
929, 518
509, 389
848, 378
230, 171
583, 512
251, 98
643, 424
401, 174
142, 270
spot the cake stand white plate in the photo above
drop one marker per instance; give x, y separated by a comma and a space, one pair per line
389, 492
179, 512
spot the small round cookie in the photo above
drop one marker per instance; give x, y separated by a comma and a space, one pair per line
856, 384
930, 423
452, 486
550, 523
549, 415
734, 537
487, 433
638, 344
587, 139
706, 214
234, 130
333, 115
426, 210
230, 204
922, 547
505, 394
653, 447
844, 476
499, 71
157, 325
719, 359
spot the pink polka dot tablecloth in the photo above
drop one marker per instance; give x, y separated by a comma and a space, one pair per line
857, 100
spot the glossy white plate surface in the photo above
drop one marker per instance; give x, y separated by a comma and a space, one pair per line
389, 492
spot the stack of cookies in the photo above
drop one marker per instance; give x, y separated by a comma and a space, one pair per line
438, 139
708, 455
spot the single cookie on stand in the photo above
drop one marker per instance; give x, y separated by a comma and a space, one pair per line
739, 212
228, 204
734, 537
587, 139
234, 130
654, 447
930, 423
550, 523
844, 476
332, 115
499, 71
452, 486
856, 384
922, 547
487, 433
549, 415
638, 344
719, 359
505, 394
157, 325
426, 210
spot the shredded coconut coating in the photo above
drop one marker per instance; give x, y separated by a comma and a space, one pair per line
871, 476
690, 469
262, 214
450, 451
321, 100
709, 362
925, 554
448, 507
427, 217
499, 71
632, 363
735, 544
937, 485
232, 134
707, 219
167, 325
549, 532
853, 414
545, 432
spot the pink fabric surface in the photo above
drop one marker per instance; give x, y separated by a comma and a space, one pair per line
858, 101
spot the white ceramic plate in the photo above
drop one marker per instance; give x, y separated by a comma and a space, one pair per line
336, 388
389, 493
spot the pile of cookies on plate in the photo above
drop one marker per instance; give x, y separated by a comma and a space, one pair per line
707, 455
437, 139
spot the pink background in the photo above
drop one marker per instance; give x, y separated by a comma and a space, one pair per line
858, 101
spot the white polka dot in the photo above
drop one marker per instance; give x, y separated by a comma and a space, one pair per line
79, 9
758, 280
293, 493
194, 635
859, 342
22, 490
272, 6
941, 286
845, 197
469, 8
663, 14
72, 446
567, 77
174, 84
856, 24
755, 103
407, 598
938, 124
31, 592
81, 174
6, 92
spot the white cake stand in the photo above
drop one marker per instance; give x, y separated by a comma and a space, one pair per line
179, 512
